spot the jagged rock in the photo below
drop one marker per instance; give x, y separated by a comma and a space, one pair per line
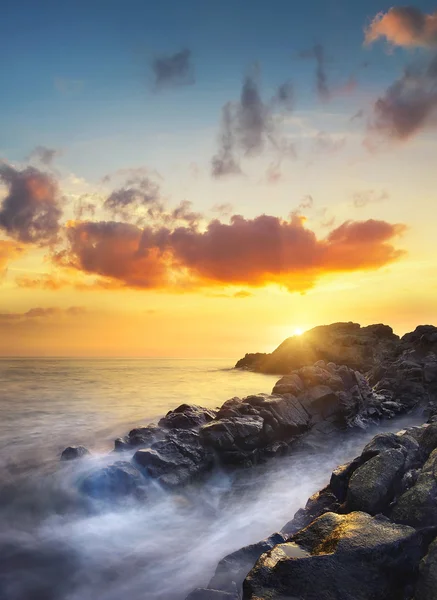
74, 452
176, 460
319, 503
233, 434
352, 557
187, 416
140, 437
114, 482
373, 485
426, 588
349, 344
418, 506
232, 569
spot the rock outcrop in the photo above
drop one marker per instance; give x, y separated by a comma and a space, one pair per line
359, 348
371, 534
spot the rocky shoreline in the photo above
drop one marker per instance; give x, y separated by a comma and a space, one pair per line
365, 535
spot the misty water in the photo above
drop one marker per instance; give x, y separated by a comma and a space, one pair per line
53, 546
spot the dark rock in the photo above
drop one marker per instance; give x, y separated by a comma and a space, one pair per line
115, 482
319, 504
373, 485
74, 452
352, 557
418, 506
342, 343
187, 416
233, 434
140, 437
428, 440
427, 584
176, 460
232, 569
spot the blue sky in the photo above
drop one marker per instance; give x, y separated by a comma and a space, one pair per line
78, 74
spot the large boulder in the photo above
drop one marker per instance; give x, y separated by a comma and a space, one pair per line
115, 482
175, 460
187, 416
426, 588
359, 348
352, 557
140, 437
373, 485
418, 505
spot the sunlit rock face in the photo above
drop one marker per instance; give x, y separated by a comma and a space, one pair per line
349, 344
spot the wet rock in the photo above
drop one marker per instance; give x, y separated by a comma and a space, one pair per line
426, 588
176, 460
319, 504
418, 506
428, 439
233, 434
366, 558
74, 452
140, 437
115, 482
187, 416
373, 485
232, 570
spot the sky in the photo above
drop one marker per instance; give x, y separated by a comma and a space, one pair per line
205, 179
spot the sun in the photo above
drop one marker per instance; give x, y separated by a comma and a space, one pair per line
298, 331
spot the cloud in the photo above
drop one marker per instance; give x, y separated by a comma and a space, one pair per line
138, 194
251, 125
44, 155
365, 197
250, 252
408, 106
8, 251
242, 294
173, 70
317, 52
404, 26
41, 313
326, 143
31, 211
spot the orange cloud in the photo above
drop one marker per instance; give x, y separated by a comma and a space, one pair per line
41, 313
404, 26
250, 252
8, 251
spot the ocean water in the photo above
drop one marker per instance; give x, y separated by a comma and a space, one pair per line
54, 547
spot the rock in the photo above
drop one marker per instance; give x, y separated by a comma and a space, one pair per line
115, 482
187, 416
74, 452
349, 344
319, 503
373, 485
233, 434
289, 384
418, 506
140, 437
428, 439
426, 588
352, 557
232, 570
176, 460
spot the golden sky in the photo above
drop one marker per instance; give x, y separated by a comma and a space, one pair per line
269, 217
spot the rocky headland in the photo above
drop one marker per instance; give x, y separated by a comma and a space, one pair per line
371, 534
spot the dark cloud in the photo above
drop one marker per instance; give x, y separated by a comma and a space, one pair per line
86, 205
44, 155
365, 197
408, 106
251, 125
225, 162
173, 70
404, 26
317, 52
30, 211
250, 252
138, 195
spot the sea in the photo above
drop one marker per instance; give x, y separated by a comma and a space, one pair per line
52, 548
